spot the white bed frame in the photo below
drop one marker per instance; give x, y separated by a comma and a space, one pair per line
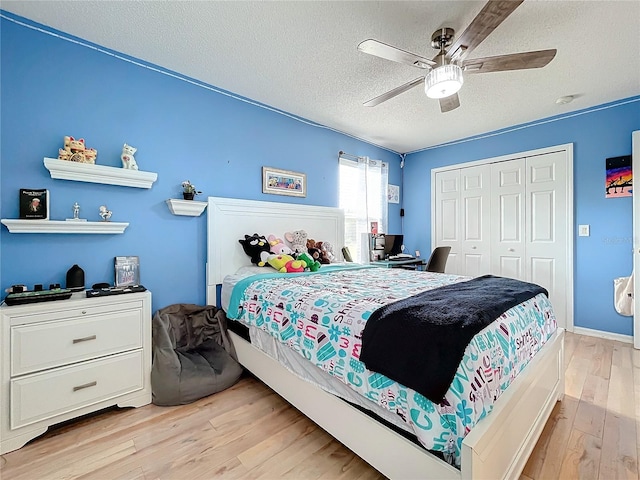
497, 447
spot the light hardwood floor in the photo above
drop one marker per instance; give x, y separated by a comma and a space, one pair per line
249, 432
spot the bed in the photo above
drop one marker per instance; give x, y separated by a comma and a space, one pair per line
498, 446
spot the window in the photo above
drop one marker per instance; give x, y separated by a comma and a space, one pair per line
363, 197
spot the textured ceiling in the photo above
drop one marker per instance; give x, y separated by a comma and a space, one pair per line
301, 57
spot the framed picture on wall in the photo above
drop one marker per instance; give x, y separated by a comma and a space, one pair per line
283, 182
619, 181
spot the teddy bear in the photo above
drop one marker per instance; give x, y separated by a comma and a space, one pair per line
254, 245
312, 250
278, 246
326, 252
297, 241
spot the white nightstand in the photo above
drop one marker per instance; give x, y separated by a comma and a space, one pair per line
65, 358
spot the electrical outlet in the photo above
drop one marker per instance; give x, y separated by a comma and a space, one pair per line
417, 253
583, 230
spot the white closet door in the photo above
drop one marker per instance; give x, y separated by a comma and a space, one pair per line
447, 218
546, 205
508, 219
475, 228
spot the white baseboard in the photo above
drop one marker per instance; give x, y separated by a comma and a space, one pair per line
599, 333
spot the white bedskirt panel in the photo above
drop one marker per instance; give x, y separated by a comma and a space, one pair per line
303, 369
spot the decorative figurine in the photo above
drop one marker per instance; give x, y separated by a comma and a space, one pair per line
76, 151
105, 213
128, 161
76, 214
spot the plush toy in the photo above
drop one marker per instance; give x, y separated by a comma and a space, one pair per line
297, 241
278, 246
254, 245
128, 161
315, 253
327, 251
295, 266
312, 265
279, 262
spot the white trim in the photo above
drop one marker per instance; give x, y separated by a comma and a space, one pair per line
635, 164
618, 337
182, 78
86, 172
568, 148
189, 208
535, 123
62, 226
504, 158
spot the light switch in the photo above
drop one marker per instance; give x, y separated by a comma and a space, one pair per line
583, 230
417, 253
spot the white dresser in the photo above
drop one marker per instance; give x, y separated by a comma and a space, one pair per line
65, 358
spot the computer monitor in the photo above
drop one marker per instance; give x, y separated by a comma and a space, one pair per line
393, 244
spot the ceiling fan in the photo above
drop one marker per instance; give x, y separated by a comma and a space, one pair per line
445, 71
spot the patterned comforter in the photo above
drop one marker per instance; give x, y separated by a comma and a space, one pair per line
321, 316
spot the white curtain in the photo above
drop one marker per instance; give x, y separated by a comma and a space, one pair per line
363, 197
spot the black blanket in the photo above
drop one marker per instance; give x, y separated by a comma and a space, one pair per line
419, 341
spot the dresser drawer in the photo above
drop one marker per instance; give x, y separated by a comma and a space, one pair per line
77, 306
38, 346
44, 395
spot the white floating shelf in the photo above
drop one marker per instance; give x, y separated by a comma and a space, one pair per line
85, 172
62, 226
186, 207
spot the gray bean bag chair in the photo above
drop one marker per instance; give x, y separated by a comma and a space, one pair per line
192, 354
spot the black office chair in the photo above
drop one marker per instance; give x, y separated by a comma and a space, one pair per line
346, 254
438, 260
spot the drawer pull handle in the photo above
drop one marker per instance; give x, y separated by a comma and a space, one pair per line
86, 385
84, 339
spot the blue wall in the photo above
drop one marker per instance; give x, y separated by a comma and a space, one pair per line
52, 87
596, 134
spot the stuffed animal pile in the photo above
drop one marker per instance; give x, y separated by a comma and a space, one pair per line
298, 254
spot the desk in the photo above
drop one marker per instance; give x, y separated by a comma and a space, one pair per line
411, 262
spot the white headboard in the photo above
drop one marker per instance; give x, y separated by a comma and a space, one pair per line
230, 219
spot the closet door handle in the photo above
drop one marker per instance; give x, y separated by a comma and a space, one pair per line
512, 249
474, 247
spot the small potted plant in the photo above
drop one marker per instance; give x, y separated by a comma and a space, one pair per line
189, 190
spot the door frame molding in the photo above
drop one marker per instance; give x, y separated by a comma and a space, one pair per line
635, 163
570, 227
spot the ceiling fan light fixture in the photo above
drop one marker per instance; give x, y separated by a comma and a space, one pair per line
443, 81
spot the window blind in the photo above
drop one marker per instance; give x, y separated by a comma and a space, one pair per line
363, 197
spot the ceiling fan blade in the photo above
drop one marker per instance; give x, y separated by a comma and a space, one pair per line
449, 103
515, 61
491, 15
393, 93
382, 50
